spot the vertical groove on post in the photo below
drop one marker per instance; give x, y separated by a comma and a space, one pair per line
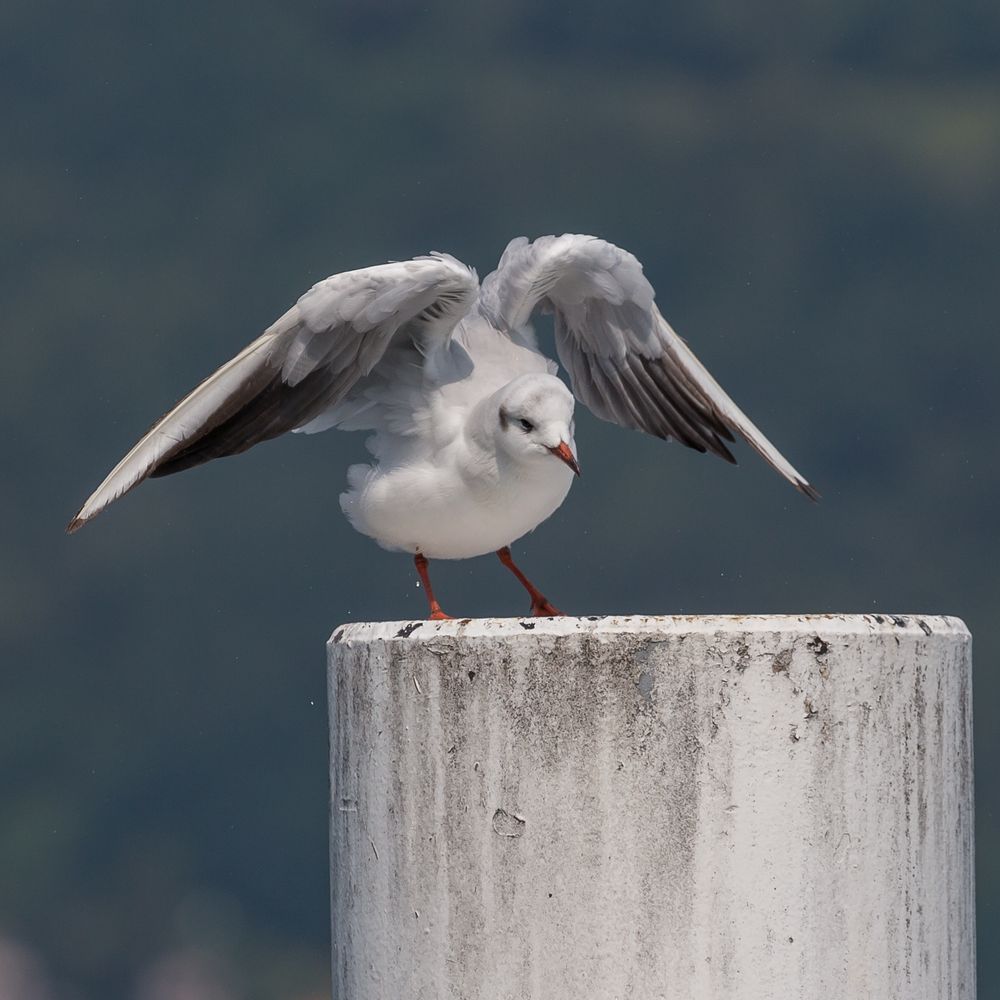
735, 808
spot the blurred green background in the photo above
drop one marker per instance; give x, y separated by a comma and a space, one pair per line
815, 194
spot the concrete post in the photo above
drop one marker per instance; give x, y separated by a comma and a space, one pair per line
690, 808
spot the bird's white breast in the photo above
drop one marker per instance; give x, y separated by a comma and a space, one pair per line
448, 512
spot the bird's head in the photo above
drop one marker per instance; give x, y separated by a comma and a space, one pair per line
535, 420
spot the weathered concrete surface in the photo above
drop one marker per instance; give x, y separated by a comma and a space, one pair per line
652, 808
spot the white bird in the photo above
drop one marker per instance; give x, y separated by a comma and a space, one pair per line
473, 430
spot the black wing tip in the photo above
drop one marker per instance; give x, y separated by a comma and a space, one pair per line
808, 491
723, 452
75, 525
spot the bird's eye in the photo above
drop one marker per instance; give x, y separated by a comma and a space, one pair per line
527, 426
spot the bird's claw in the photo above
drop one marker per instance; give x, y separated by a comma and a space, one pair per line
542, 609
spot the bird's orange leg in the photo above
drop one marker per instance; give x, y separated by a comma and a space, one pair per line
540, 606
436, 613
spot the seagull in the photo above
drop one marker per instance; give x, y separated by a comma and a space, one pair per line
473, 441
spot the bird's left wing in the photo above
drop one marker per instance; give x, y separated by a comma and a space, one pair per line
624, 360
302, 365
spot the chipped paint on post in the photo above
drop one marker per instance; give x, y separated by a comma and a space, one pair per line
734, 808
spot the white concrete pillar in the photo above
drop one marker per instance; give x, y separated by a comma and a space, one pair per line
689, 808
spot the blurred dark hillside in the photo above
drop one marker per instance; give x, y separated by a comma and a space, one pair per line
815, 194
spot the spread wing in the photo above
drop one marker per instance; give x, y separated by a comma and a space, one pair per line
624, 360
304, 364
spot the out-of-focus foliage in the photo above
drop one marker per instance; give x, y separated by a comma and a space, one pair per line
815, 193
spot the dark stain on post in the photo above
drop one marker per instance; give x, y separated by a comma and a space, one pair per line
407, 630
645, 685
742, 657
507, 825
781, 662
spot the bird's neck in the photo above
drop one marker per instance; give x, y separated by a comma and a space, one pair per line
481, 423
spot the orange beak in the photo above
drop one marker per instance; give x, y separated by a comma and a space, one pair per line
562, 450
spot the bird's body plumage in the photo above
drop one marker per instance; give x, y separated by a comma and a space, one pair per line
465, 412
438, 486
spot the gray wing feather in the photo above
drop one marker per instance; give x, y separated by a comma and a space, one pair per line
304, 364
624, 360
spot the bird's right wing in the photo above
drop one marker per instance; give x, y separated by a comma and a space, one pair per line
299, 367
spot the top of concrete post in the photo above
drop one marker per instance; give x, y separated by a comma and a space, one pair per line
652, 625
